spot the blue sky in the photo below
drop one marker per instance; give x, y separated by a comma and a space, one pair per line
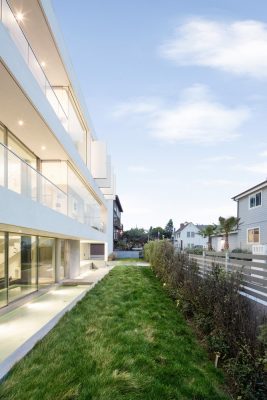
178, 90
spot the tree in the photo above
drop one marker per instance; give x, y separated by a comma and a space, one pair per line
226, 226
135, 237
169, 229
207, 232
156, 233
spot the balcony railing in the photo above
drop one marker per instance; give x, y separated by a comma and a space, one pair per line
68, 117
17, 175
20, 177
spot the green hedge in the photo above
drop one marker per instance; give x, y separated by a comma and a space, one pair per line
228, 321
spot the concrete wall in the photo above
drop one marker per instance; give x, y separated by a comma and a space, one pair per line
127, 254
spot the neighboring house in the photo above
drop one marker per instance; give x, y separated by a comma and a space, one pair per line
188, 236
117, 225
252, 211
56, 182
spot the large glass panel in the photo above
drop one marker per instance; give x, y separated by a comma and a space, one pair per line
2, 156
46, 261
21, 177
22, 266
3, 278
62, 272
2, 134
20, 150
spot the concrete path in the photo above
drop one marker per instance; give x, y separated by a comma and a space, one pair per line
21, 328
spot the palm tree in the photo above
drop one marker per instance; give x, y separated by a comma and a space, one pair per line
226, 226
208, 231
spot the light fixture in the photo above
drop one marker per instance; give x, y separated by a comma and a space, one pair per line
20, 16
20, 122
43, 64
43, 148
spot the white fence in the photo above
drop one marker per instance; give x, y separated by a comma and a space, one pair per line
252, 267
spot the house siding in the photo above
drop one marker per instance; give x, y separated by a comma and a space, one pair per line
252, 218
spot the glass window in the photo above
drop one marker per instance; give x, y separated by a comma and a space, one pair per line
22, 266
21, 177
62, 272
192, 234
188, 234
3, 278
18, 148
254, 235
255, 200
46, 261
2, 155
2, 134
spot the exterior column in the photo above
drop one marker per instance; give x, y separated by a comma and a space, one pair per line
73, 259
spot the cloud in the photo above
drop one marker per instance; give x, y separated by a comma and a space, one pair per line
196, 118
136, 106
238, 47
139, 169
259, 168
263, 153
217, 182
218, 159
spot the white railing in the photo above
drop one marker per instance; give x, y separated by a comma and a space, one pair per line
252, 268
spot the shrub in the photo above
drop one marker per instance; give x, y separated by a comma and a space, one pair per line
228, 321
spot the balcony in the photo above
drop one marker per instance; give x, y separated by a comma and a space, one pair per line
117, 223
20, 177
59, 98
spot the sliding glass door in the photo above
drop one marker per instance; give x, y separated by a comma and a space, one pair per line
22, 266
3, 277
46, 261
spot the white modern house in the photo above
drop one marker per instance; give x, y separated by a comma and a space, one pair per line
188, 236
57, 185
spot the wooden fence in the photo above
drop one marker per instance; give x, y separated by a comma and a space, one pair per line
252, 267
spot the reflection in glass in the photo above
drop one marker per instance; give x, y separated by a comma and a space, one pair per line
46, 259
62, 272
22, 266
3, 281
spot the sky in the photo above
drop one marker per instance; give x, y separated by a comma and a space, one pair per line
178, 90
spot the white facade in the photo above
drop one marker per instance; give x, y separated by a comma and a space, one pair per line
217, 241
188, 236
56, 179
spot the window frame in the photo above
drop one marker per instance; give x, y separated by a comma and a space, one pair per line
254, 195
250, 229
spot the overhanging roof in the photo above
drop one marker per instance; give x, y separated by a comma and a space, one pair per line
250, 190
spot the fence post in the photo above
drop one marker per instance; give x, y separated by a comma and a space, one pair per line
226, 261
204, 262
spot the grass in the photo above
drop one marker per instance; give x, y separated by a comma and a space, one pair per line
124, 341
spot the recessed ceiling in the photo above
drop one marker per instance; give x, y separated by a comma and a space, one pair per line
39, 36
22, 119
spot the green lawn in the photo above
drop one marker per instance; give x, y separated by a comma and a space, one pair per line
124, 340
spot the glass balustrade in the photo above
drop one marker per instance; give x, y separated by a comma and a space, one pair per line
20, 177
67, 115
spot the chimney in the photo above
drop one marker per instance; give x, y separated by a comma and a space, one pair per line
182, 226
